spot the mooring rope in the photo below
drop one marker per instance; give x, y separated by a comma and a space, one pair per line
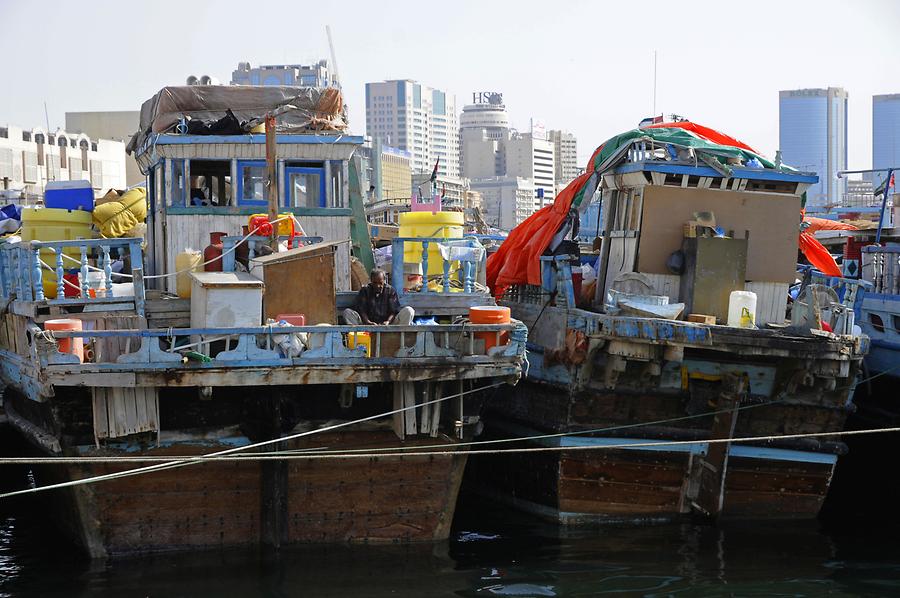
650, 444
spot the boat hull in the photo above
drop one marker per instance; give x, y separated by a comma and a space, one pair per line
580, 466
229, 504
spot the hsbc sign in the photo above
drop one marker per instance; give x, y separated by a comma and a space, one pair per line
487, 97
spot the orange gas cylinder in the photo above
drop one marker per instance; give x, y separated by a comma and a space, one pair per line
71, 345
490, 314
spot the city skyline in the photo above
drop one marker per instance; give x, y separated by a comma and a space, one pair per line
569, 84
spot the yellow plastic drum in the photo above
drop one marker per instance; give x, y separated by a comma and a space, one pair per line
51, 224
448, 225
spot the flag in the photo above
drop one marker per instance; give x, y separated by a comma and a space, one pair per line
650, 120
434, 172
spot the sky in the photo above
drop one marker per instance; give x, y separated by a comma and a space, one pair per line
583, 66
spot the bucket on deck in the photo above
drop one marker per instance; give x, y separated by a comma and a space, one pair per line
412, 276
71, 345
490, 314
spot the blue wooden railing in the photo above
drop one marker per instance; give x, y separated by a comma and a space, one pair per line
23, 266
466, 272
254, 243
254, 346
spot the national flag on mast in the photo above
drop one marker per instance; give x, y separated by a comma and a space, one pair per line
651, 120
434, 172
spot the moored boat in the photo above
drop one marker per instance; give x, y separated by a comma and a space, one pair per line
632, 412
225, 418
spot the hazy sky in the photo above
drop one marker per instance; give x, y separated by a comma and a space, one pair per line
581, 66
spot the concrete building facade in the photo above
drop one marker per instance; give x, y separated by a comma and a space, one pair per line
565, 156
813, 137
118, 125
305, 75
29, 158
418, 119
506, 201
885, 133
531, 158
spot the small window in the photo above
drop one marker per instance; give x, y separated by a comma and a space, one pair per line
93, 147
26, 135
51, 139
305, 187
39, 138
73, 143
4, 132
252, 184
210, 183
177, 191
877, 322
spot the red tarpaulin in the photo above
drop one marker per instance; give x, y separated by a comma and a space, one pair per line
520, 252
706, 133
818, 256
825, 224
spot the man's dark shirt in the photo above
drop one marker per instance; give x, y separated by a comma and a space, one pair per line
378, 308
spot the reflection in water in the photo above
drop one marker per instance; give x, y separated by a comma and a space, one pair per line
493, 552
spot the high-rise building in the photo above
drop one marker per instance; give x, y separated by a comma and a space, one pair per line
565, 156
483, 126
529, 157
506, 200
813, 138
418, 119
885, 133
503, 163
305, 75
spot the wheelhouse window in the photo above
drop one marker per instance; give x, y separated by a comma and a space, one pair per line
178, 191
252, 183
304, 186
210, 183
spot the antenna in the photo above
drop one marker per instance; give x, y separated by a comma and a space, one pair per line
654, 83
333, 57
49, 145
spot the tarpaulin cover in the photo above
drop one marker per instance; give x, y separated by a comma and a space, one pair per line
518, 259
816, 224
309, 109
817, 255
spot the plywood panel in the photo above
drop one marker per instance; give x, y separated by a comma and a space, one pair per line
770, 220
300, 281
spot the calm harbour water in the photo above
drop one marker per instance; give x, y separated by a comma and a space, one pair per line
494, 551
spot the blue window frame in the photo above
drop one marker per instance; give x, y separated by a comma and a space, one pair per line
304, 187
178, 188
250, 188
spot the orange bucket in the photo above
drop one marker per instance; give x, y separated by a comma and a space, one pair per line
71, 345
490, 314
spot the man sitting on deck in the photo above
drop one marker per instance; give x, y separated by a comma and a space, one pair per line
377, 303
